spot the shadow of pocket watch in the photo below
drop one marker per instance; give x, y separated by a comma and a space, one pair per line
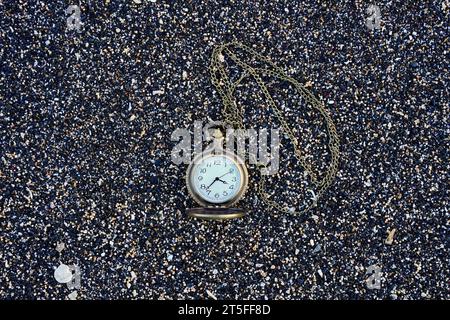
216, 179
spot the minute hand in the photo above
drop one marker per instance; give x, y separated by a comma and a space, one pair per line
212, 183
224, 174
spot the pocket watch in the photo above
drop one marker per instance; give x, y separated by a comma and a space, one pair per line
216, 179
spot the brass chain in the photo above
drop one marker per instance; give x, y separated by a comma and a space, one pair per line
233, 115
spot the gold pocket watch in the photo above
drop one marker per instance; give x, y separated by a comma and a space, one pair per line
209, 177
216, 179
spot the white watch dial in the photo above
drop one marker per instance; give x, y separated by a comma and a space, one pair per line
216, 179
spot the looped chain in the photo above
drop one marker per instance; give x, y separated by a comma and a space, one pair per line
234, 116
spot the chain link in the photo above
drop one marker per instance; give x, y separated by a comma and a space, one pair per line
234, 116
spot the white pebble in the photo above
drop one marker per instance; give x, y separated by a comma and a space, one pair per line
158, 92
63, 274
73, 295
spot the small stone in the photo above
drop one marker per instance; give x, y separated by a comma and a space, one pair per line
184, 76
367, 183
390, 237
73, 295
211, 295
317, 249
60, 246
158, 92
63, 274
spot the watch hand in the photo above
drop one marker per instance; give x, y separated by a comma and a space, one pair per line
211, 183
217, 179
225, 174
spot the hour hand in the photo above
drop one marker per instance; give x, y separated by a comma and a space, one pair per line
222, 181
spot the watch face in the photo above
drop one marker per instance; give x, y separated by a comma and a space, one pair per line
216, 179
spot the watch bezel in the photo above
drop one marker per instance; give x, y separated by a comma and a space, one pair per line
242, 186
